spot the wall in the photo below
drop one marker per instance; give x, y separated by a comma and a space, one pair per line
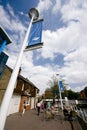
14, 104
3, 82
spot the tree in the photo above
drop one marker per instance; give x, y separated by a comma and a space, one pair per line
83, 93
73, 95
53, 91
65, 92
48, 93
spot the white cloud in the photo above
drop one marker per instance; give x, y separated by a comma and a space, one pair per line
23, 14
10, 10
63, 40
75, 72
74, 10
69, 40
79, 88
5, 18
44, 5
57, 6
17, 29
79, 55
13, 24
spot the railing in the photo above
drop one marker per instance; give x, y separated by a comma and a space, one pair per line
82, 113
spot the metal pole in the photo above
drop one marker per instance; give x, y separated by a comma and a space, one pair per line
60, 97
10, 87
60, 93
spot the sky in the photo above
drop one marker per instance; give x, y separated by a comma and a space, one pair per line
64, 36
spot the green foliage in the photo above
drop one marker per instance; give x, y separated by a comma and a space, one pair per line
48, 93
70, 94
73, 95
85, 91
53, 91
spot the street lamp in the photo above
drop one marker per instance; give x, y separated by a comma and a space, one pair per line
60, 92
33, 12
9, 91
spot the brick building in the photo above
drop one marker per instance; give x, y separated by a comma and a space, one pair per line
23, 90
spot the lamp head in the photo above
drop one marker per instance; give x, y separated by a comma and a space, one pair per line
57, 74
33, 12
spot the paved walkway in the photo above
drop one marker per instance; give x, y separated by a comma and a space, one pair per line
31, 121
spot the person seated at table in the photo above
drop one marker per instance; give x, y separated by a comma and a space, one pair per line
66, 113
72, 115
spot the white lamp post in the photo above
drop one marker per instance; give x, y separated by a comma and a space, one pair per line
60, 93
9, 91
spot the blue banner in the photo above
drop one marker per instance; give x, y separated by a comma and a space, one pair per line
61, 85
3, 60
2, 46
35, 33
4, 39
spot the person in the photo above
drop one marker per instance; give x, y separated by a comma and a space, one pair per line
42, 106
24, 108
73, 115
66, 113
45, 105
48, 105
38, 107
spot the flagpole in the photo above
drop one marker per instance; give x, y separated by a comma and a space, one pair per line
9, 91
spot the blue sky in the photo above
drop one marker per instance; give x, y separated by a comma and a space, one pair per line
64, 36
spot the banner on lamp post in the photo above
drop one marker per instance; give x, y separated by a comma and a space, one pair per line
35, 36
61, 86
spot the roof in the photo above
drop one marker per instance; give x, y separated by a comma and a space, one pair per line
28, 81
25, 79
4, 36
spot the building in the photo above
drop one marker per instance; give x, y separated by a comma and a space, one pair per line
24, 90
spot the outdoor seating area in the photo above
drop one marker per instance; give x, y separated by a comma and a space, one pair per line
69, 114
52, 112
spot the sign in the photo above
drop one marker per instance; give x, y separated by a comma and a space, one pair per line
61, 85
35, 34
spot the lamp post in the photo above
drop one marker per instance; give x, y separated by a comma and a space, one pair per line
60, 92
33, 13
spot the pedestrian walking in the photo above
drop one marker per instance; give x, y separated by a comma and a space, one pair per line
38, 107
48, 105
24, 108
45, 105
42, 106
